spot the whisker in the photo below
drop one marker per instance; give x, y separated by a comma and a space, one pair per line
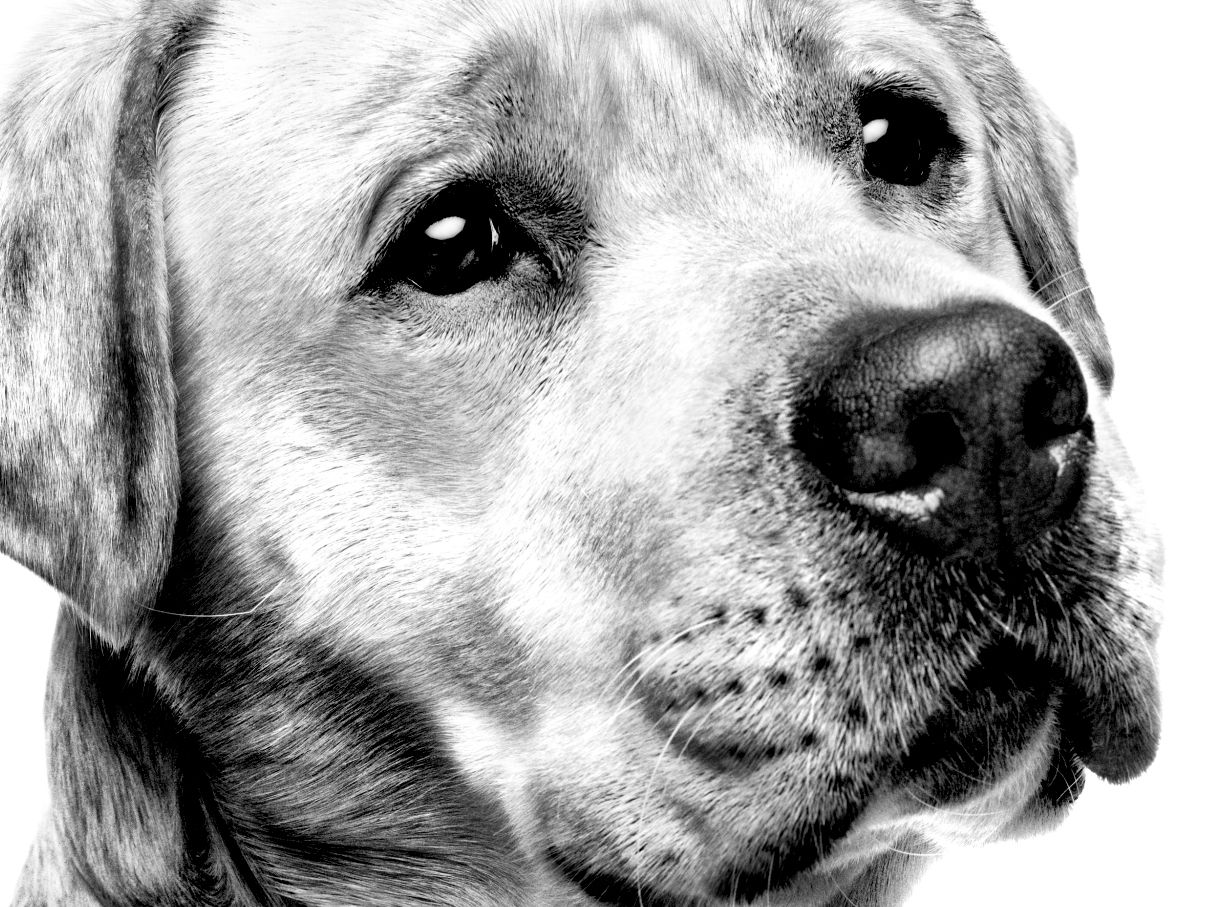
1058, 277
840, 891
958, 814
658, 759
1066, 296
700, 724
893, 847
654, 654
264, 598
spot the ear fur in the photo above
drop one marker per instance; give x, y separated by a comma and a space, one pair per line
88, 472
1033, 163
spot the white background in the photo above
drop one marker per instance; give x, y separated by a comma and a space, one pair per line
1127, 80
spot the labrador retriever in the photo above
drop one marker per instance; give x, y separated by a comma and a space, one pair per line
556, 452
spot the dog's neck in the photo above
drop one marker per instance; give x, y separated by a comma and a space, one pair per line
142, 815
132, 821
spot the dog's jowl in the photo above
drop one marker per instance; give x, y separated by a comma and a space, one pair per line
556, 453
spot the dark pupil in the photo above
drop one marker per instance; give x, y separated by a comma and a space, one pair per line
915, 130
898, 157
452, 251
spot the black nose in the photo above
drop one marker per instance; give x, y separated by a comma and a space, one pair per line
966, 429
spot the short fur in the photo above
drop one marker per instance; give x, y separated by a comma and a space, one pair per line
524, 596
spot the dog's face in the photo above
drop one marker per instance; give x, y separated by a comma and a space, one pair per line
627, 452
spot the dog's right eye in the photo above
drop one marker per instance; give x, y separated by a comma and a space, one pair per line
457, 240
902, 136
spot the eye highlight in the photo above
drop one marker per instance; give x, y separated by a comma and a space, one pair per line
903, 136
456, 240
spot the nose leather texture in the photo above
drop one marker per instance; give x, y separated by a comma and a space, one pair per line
965, 429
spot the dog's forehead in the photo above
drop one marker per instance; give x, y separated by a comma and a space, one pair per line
380, 53
351, 88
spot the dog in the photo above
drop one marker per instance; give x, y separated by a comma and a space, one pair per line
556, 453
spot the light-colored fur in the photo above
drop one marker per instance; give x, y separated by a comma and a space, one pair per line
379, 602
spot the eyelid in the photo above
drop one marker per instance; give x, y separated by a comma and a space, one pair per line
899, 90
902, 85
404, 186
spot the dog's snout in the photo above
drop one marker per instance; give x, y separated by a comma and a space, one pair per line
966, 427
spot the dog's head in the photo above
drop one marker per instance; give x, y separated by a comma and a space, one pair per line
626, 451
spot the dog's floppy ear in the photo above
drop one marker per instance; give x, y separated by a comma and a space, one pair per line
1033, 164
88, 473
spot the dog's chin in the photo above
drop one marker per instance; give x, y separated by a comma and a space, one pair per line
888, 855
931, 802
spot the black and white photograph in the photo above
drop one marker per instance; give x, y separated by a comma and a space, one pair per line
602, 453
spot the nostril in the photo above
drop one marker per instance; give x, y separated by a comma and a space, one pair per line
936, 442
1056, 405
876, 459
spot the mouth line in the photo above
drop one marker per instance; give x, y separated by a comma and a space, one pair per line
1042, 774
1044, 771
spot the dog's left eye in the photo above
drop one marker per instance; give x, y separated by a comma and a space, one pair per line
452, 243
902, 137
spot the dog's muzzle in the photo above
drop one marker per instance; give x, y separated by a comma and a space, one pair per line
949, 639
965, 431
